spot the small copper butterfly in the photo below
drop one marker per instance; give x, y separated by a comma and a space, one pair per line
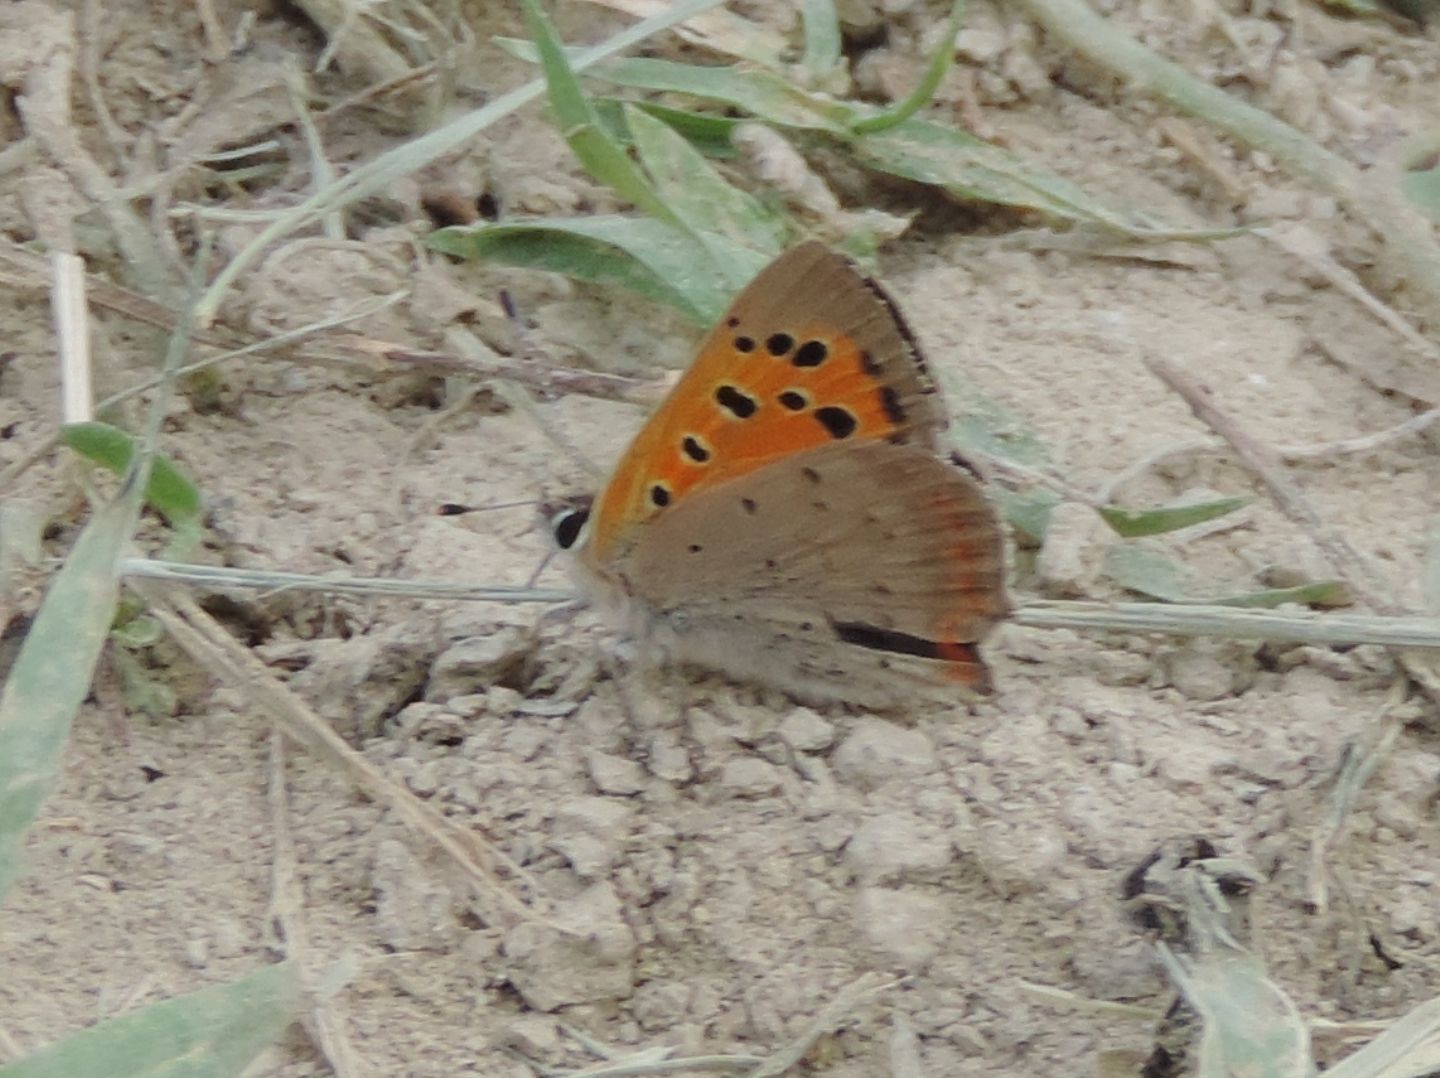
787, 515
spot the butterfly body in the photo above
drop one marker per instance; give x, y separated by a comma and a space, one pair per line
785, 517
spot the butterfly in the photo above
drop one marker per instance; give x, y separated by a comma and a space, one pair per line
788, 515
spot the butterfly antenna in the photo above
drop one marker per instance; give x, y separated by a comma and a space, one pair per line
456, 509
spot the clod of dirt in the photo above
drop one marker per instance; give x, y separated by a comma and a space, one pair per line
1203, 671
893, 846
615, 775
878, 751
414, 911
477, 662
591, 960
805, 731
748, 777
905, 927
588, 833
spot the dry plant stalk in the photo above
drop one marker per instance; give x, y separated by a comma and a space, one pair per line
208, 643
1264, 463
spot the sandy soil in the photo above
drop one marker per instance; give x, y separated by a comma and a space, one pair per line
732, 866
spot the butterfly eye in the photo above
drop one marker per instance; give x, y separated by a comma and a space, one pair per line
568, 524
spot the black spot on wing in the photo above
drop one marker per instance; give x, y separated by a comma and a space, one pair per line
740, 405
811, 354
694, 449
838, 422
779, 344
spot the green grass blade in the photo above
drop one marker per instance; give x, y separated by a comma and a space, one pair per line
1148, 572
211, 1033
935, 70
602, 156
53, 668
763, 94
1321, 593
707, 133
168, 490
914, 149
1133, 523
970, 167
646, 256
51, 675
700, 197
822, 38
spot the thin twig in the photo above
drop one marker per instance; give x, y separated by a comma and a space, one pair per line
1358, 764
72, 330
1265, 464
287, 909
540, 376
861, 990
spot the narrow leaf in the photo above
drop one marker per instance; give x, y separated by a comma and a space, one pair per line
1321, 593
970, 167
1028, 512
1145, 570
51, 675
935, 70
822, 38
646, 256
602, 156
1132, 523
168, 490
709, 134
698, 195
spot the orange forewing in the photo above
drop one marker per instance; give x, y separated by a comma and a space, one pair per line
730, 445
770, 380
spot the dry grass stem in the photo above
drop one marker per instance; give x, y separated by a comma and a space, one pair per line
214, 649
1264, 463
324, 1023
